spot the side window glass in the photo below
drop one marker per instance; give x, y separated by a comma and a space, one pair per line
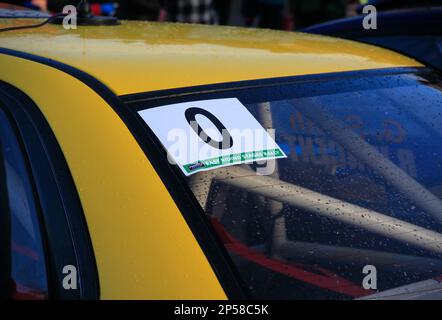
24, 264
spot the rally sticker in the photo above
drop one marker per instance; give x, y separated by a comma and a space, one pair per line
209, 134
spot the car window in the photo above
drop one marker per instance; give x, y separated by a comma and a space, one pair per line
358, 195
27, 270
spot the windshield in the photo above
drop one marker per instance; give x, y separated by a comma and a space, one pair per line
355, 208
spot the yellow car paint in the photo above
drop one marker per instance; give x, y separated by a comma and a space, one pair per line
145, 56
143, 246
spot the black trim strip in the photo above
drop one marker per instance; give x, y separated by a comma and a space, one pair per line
267, 82
214, 250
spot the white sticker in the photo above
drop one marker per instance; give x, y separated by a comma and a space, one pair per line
209, 134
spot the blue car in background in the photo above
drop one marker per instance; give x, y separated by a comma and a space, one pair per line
413, 28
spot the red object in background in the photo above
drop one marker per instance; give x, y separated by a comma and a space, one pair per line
20, 292
42, 4
104, 9
96, 9
322, 279
162, 15
288, 23
27, 252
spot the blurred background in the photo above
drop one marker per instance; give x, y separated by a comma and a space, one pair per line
274, 14
411, 27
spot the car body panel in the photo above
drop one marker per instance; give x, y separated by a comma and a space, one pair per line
143, 245
128, 209
146, 56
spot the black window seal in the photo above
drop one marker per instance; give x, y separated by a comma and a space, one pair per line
65, 236
136, 98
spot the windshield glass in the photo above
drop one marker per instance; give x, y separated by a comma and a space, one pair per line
355, 208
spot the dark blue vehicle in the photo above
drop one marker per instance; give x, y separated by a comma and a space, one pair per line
413, 31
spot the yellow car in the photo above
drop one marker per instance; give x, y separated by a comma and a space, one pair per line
341, 199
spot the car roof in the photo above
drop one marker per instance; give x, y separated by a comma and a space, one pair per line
145, 56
